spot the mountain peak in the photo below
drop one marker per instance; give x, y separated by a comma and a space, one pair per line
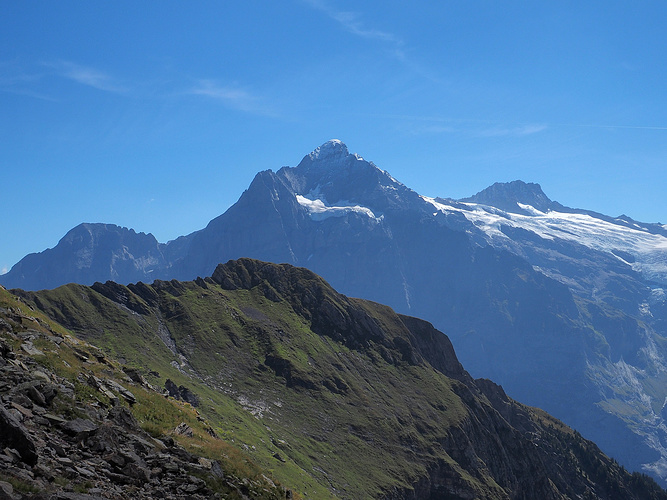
336, 177
330, 150
509, 196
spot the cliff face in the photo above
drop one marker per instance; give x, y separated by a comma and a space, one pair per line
340, 397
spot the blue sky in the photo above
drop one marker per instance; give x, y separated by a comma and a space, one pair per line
157, 115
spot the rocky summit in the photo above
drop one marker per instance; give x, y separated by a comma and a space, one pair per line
259, 376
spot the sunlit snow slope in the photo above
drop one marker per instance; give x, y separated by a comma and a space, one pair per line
636, 246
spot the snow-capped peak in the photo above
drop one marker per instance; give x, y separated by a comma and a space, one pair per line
332, 151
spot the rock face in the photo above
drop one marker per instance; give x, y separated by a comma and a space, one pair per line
508, 196
181, 393
332, 386
501, 273
16, 437
565, 308
87, 253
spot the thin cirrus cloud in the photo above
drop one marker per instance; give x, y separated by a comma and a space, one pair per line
352, 22
629, 127
519, 131
14, 79
232, 97
476, 128
86, 75
33, 80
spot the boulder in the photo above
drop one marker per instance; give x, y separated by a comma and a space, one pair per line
15, 435
183, 429
80, 427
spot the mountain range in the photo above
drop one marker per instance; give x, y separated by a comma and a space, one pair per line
565, 308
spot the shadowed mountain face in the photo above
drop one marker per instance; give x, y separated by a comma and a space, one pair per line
563, 307
87, 252
509, 196
338, 397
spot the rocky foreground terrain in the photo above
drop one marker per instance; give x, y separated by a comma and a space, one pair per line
70, 433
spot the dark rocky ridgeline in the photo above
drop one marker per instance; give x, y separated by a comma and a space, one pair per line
518, 451
56, 443
181, 393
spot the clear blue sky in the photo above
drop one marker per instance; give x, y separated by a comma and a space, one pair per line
157, 115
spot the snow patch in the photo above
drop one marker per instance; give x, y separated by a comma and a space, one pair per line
645, 309
530, 209
657, 295
319, 211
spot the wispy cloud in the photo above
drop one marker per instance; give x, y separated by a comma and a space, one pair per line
631, 127
437, 129
353, 22
33, 80
469, 127
14, 79
518, 131
18, 90
11, 77
86, 75
4, 270
487, 128
232, 96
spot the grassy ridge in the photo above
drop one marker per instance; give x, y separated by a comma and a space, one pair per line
336, 397
332, 422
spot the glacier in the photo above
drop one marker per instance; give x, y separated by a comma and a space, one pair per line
647, 249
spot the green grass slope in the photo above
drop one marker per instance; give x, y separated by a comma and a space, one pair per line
337, 397
85, 383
